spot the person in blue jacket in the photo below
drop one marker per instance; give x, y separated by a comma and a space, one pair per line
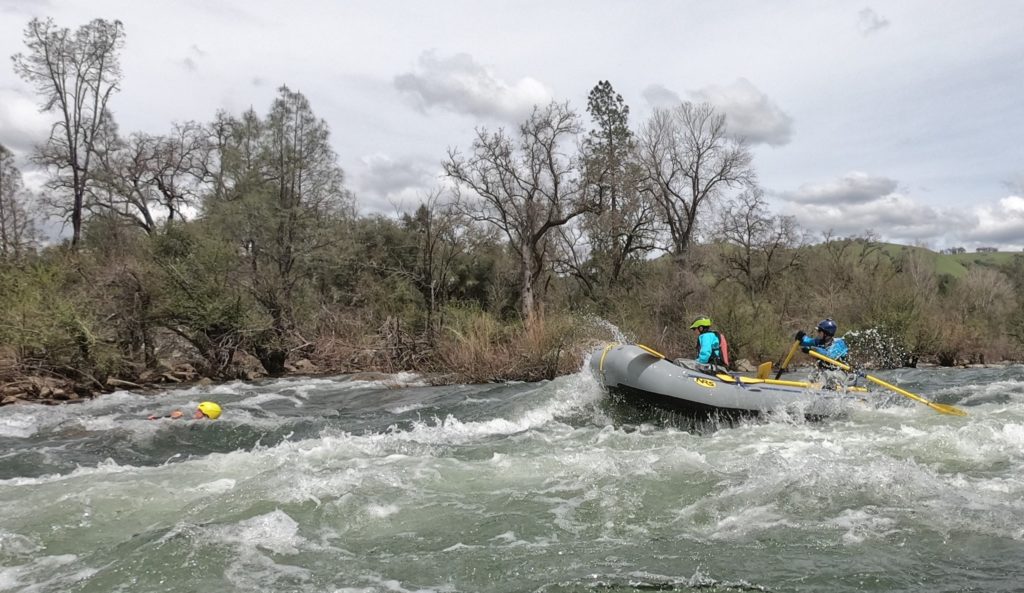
711, 349
828, 344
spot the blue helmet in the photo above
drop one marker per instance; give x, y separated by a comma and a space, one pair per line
828, 326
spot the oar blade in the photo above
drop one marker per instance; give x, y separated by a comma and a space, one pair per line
789, 357
947, 409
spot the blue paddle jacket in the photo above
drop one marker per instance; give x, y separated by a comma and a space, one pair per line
835, 349
709, 348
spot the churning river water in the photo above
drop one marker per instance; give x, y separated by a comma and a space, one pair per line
341, 485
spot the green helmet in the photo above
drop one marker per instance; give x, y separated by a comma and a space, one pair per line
701, 322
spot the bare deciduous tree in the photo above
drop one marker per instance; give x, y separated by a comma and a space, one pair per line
689, 160
527, 187
436, 224
151, 180
75, 73
760, 248
17, 230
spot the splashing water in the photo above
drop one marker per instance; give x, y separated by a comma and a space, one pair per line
876, 348
617, 334
313, 485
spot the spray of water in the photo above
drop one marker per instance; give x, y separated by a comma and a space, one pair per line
617, 334
877, 347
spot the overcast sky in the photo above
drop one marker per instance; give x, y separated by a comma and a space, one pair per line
903, 118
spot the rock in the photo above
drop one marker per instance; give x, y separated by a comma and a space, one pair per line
185, 371
203, 381
369, 376
148, 376
745, 366
10, 399
303, 365
247, 367
44, 387
112, 382
13, 389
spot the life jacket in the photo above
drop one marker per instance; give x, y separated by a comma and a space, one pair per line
723, 346
720, 355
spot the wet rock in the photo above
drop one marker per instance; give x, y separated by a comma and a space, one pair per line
370, 376
17, 388
147, 376
247, 367
745, 366
184, 372
302, 366
120, 383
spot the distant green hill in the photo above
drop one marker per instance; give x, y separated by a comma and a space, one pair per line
955, 265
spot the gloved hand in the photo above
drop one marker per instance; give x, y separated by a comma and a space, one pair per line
805, 349
799, 335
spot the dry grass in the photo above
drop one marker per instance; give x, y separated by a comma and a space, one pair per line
476, 348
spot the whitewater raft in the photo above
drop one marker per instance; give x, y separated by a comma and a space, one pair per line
643, 377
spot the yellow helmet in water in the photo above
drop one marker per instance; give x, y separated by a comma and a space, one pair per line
701, 322
210, 410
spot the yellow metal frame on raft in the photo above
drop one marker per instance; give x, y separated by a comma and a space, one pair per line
721, 376
805, 384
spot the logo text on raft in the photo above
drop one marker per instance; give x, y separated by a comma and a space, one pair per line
704, 382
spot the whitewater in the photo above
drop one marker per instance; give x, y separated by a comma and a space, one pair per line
341, 485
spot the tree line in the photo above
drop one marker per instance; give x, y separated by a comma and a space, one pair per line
237, 240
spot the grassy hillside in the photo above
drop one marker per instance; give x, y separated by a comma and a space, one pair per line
944, 264
955, 265
1000, 258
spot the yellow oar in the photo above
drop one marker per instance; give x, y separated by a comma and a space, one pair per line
650, 351
764, 369
945, 409
789, 357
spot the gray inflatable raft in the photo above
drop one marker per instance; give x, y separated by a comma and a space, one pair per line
642, 376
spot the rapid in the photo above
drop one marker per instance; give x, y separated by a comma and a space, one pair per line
344, 485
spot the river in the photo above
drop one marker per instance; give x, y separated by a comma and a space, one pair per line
341, 485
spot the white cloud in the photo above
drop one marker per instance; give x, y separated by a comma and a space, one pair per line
383, 184
869, 21
657, 96
749, 112
191, 61
999, 224
22, 126
461, 85
22, 7
853, 188
894, 217
859, 202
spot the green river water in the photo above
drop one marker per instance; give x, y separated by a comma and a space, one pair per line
338, 485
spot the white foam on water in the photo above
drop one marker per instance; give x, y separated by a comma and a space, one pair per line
748, 521
106, 467
18, 424
15, 544
252, 569
985, 393
28, 419
44, 573
379, 511
275, 531
401, 379
379, 583
863, 524
216, 487
406, 408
